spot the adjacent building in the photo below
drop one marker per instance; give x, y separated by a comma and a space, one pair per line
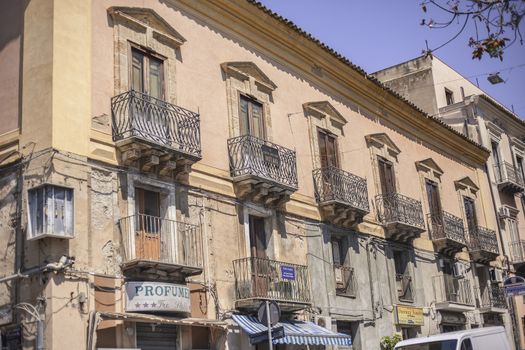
167, 166
444, 93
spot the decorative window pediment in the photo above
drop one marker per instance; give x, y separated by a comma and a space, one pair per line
517, 145
495, 131
466, 183
429, 165
382, 141
325, 109
145, 19
247, 70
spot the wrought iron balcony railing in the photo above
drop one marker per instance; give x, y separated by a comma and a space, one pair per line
257, 278
450, 289
335, 185
447, 226
492, 297
483, 239
396, 208
506, 172
251, 156
517, 252
344, 280
150, 238
137, 115
405, 288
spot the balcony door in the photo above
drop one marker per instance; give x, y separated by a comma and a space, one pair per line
260, 264
150, 116
252, 119
497, 161
434, 206
148, 225
470, 215
386, 176
328, 158
327, 149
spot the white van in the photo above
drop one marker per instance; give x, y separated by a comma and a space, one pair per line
490, 338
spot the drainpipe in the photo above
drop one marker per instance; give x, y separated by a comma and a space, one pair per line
370, 279
64, 262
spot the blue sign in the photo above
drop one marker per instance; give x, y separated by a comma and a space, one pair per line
515, 289
287, 272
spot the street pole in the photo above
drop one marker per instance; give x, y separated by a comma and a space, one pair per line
270, 343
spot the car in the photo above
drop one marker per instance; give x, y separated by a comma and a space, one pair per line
489, 338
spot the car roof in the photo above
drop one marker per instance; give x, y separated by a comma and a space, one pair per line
452, 335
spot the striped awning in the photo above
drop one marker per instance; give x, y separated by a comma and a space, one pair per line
295, 332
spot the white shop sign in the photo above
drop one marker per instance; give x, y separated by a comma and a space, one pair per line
156, 296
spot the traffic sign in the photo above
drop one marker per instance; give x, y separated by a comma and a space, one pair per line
275, 313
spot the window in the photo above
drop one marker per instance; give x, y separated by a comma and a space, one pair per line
343, 274
519, 166
327, 149
50, 212
462, 93
466, 345
386, 176
147, 73
403, 278
449, 96
251, 115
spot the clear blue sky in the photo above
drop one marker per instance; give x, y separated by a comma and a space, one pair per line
378, 34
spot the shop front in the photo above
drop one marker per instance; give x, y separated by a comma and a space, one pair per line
157, 316
409, 320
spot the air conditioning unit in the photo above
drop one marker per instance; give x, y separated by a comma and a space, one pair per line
338, 273
504, 212
458, 270
323, 321
496, 275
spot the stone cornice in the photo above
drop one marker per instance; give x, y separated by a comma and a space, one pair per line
285, 44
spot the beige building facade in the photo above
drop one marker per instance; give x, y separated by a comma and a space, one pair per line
169, 165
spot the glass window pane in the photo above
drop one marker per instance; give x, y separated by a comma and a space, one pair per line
60, 210
257, 121
155, 78
244, 124
137, 71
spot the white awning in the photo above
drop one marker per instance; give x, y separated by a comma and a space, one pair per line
187, 321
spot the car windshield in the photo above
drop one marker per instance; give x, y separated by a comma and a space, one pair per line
435, 345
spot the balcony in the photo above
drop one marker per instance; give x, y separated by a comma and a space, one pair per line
447, 232
344, 281
492, 299
453, 293
342, 196
262, 171
259, 279
154, 135
508, 178
405, 288
483, 244
517, 252
401, 216
158, 248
